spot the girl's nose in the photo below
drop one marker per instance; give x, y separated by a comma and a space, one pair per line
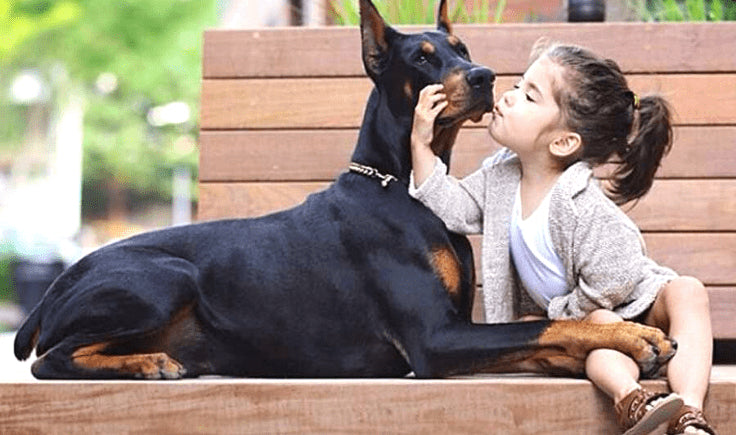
508, 97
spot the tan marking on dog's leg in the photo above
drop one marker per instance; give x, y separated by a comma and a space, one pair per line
576, 339
148, 366
550, 361
573, 337
447, 266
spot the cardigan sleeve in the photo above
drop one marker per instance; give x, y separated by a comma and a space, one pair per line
609, 259
459, 203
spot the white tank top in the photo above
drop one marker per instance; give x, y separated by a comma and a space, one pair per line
538, 265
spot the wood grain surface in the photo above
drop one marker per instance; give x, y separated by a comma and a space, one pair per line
493, 405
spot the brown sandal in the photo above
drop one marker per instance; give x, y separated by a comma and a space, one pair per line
638, 415
689, 416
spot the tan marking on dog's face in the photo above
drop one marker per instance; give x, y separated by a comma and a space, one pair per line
428, 47
453, 40
457, 90
447, 267
409, 90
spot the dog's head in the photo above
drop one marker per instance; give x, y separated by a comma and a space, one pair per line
401, 65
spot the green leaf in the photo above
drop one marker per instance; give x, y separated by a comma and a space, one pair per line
672, 11
695, 10
716, 11
498, 14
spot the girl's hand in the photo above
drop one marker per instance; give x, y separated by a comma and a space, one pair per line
431, 102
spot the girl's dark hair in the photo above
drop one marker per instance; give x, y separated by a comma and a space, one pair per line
614, 124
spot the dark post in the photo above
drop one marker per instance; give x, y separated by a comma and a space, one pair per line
296, 15
31, 278
586, 10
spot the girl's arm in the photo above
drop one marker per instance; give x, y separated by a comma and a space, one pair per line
457, 203
431, 102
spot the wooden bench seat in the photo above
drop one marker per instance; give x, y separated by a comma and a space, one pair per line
500, 405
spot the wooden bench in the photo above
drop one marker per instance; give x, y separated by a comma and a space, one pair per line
280, 112
279, 123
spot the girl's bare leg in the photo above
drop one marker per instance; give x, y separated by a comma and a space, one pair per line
682, 309
612, 371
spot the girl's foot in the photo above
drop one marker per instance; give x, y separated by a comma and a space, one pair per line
689, 420
641, 411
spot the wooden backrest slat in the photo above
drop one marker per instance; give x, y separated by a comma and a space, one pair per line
310, 103
672, 205
320, 155
332, 51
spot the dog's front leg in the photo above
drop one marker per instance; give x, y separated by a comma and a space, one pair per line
648, 346
465, 348
553, 347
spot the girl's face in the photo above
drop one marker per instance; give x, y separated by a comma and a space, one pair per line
526, 119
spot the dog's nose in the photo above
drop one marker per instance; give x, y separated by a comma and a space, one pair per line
479, 76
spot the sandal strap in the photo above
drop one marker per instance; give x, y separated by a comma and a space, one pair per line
632, 408
689, 416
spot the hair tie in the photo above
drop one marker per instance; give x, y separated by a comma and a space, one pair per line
636, 101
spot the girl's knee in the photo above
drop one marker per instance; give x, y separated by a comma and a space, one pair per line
687, 290
603, 316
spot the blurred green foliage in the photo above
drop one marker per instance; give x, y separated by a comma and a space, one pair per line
6, 288
396, 12
684, 10
153, 49
6, 256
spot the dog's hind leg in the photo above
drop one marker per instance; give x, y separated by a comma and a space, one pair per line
157, 365
91, 362
169, 352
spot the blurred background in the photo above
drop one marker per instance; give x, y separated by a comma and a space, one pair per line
99, 103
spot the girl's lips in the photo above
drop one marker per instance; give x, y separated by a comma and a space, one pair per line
497, 112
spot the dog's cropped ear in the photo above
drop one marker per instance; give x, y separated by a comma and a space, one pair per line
443, 20
375, 35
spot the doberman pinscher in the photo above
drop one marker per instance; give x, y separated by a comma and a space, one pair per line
358, 281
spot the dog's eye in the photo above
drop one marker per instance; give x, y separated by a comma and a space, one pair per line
422, 59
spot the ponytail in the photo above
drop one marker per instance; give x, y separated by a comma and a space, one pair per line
614, 124
649, 142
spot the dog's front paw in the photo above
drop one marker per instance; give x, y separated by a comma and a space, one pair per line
649, 347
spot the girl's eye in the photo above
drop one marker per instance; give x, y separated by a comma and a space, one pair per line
528, 97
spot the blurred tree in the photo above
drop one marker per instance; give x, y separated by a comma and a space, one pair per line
125, 57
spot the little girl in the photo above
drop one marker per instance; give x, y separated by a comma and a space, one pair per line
554, 243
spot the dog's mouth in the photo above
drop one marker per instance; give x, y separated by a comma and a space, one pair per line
473, 111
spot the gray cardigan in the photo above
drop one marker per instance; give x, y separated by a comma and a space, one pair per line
601, 248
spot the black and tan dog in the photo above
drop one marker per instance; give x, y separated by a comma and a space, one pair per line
359, 281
